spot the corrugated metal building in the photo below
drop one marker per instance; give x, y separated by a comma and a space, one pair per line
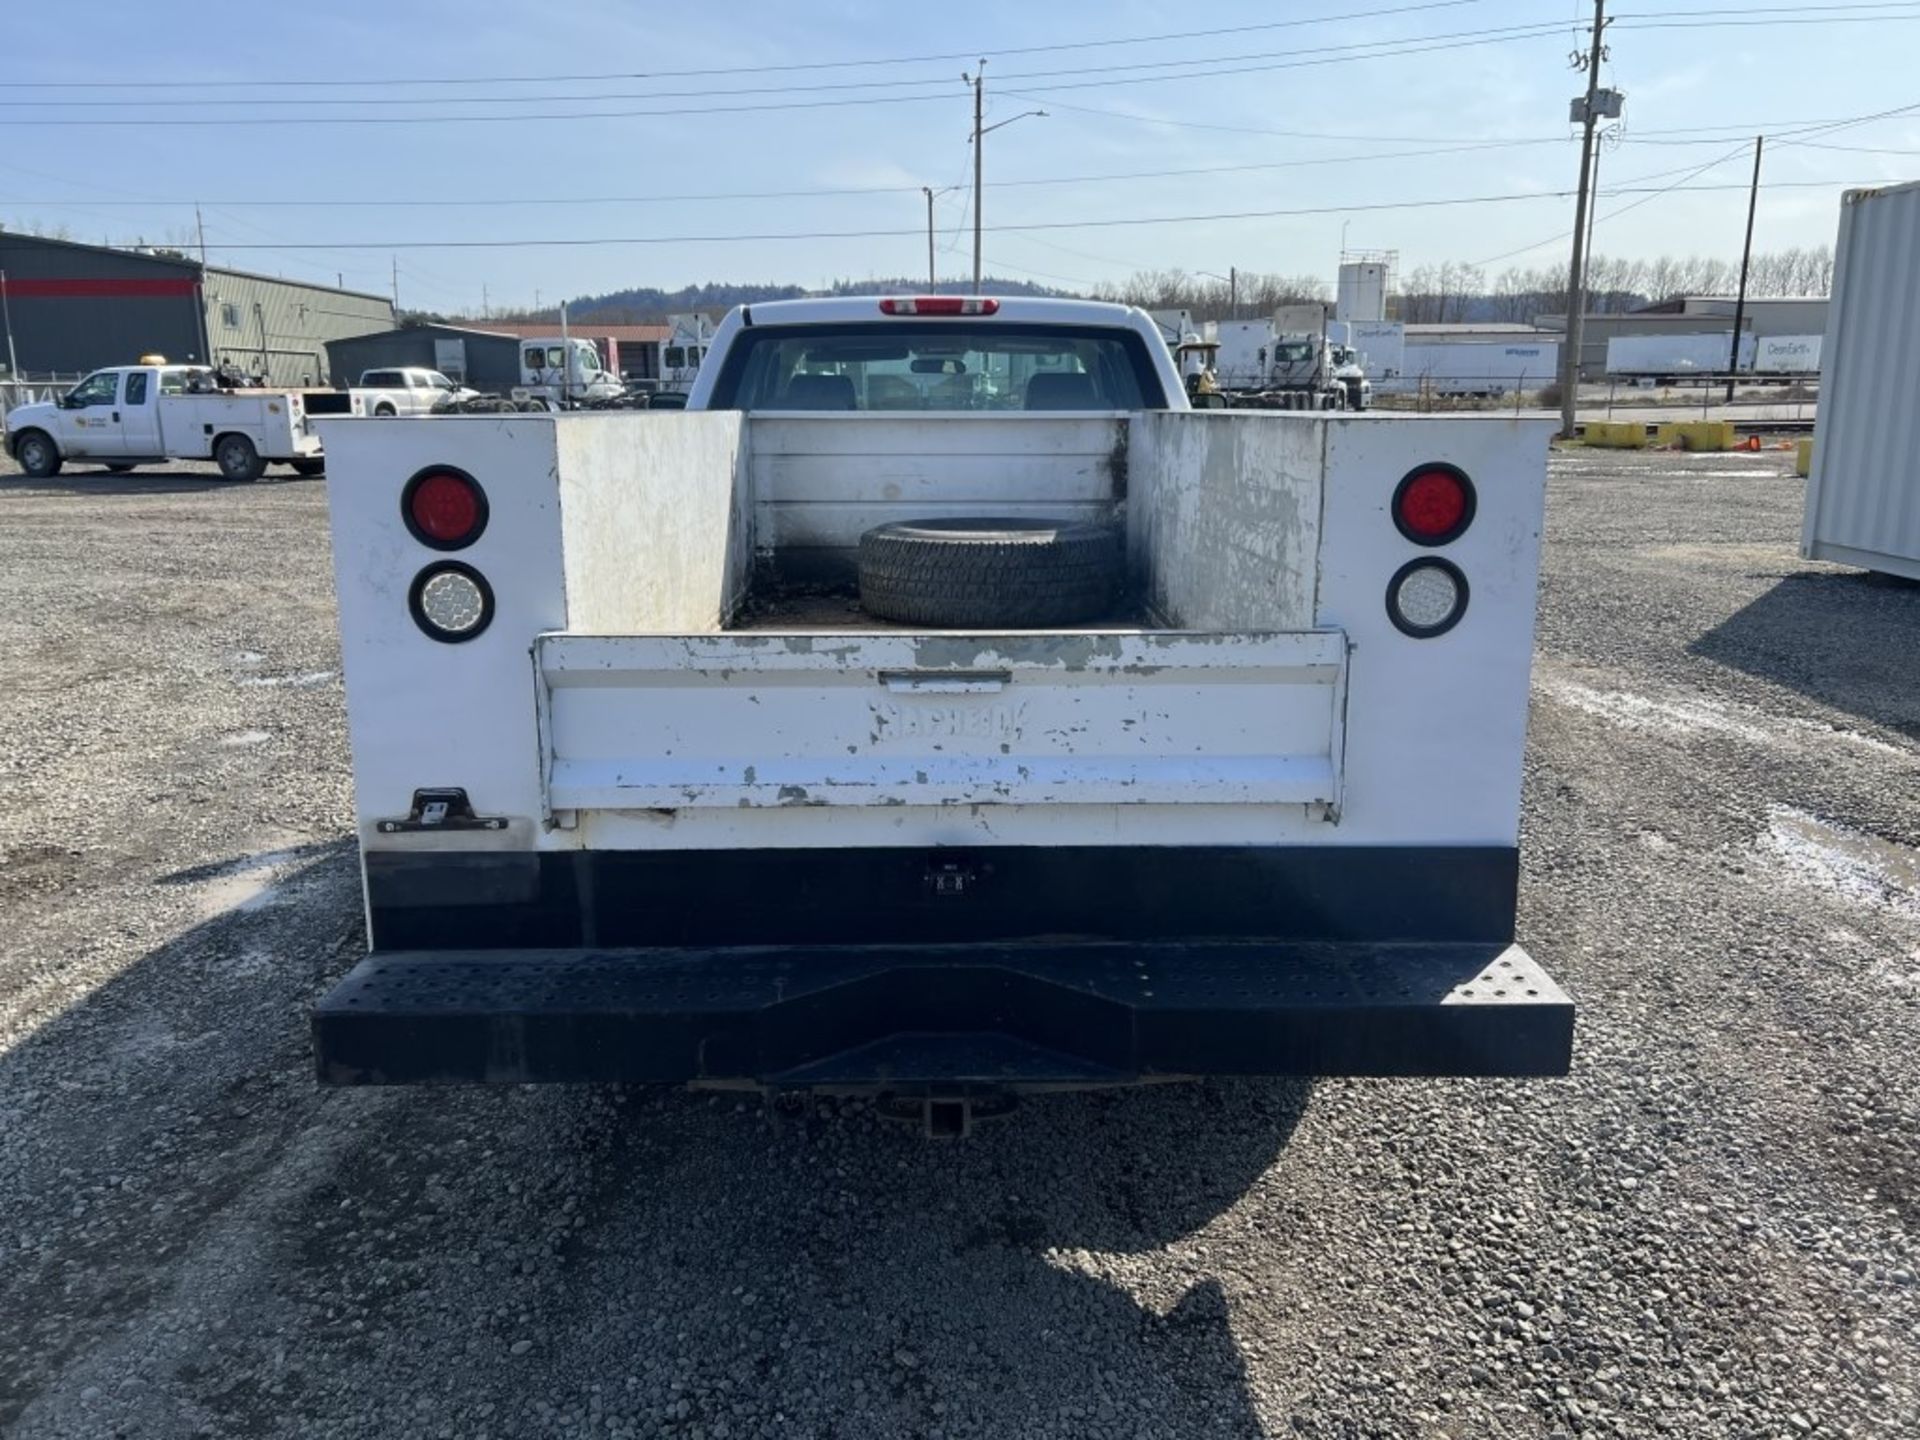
484, 359
72, 308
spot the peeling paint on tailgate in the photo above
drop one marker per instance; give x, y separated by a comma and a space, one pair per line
676, 722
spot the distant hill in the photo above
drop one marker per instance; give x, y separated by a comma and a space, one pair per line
649, 305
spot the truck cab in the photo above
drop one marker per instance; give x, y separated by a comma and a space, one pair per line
561, 372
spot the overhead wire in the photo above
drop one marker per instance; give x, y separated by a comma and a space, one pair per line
1340, 17
1022, 227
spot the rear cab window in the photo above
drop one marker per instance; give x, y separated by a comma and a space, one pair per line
137, 388
937, 366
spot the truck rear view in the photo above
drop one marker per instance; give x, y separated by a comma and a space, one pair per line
648, 792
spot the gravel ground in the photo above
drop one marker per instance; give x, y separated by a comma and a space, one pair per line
1706, 1231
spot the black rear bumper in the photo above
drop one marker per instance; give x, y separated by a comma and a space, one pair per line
927, 1017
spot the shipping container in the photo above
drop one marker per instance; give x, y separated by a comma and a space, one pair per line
1674, 357
1863, 502
1468, 367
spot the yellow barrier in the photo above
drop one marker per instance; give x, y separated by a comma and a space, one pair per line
1803, 458
1667, 436
1616, 435
1705, 434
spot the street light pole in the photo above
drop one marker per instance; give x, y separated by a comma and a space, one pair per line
979, 84
978, 81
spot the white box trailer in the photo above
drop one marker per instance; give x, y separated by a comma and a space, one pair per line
1246, 357
1380, 344
1787, 355
1474, 367
1666, 358
1863, 505
647, 791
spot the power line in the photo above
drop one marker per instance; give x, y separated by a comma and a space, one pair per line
974, 54
1501, 32
586, 242
493, 201
1648, 196
1326, 55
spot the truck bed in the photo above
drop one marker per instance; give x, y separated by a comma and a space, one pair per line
838, 612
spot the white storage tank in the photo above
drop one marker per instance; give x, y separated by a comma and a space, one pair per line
1362, 294
1863, 494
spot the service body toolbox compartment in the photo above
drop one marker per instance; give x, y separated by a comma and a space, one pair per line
644, 795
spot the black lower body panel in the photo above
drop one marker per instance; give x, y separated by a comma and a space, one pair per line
932, 1016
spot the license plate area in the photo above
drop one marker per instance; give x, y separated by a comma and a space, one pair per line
670, 722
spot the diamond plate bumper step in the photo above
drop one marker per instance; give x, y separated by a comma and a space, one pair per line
990, 1015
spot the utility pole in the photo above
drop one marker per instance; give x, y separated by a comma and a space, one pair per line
206, 329
1233, 293
484, 307
6, 313
1746, 259
1577, 271
979, 85
932, 283
396, 284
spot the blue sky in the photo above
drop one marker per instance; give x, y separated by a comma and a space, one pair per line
1368, 130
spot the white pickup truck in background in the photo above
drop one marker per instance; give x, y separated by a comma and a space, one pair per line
946, 711
407, 390
128, 415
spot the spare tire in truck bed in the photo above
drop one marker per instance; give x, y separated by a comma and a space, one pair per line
995, 573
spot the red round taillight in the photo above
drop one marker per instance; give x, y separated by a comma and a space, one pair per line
444, 508
1434, 504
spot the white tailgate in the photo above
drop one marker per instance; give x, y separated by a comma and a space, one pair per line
650, 722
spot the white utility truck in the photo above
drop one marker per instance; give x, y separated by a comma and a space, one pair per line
128, 415
938, 708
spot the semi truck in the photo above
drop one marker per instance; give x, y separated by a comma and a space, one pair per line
562, 372
938, 709
1291, 361
129, 415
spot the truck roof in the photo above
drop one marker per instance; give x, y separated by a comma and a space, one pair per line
840, 309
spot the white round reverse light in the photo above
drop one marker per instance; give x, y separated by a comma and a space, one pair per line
1427, 598
452, 602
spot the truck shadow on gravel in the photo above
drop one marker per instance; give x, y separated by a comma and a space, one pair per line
1788, 636
686, 1262
203, 1242
90, 484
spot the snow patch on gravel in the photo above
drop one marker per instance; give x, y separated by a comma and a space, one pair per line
1643, 712
304, 681
1845, 862
1693, 715
242, 738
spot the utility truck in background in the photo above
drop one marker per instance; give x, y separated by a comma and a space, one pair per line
939, 709
129, 415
